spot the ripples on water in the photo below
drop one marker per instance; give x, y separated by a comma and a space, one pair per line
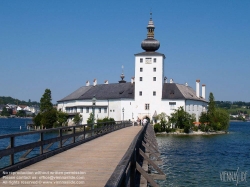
199, 160
187, 160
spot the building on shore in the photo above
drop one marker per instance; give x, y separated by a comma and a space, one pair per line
148, 94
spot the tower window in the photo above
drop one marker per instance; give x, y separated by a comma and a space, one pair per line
154, 59
140, 93
154, 78
172, 105
154, 70
140, 78
141, 69
146, 106
141, 60
154, 93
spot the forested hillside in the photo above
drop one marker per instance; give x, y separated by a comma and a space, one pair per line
10, 100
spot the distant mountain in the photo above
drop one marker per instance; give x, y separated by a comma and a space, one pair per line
10, 100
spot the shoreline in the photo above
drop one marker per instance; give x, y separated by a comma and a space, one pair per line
194, 133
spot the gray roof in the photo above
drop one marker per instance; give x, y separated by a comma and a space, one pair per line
126, 90
103, 91
179, 91
76, 94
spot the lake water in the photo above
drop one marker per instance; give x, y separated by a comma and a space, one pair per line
207, 160
215, 160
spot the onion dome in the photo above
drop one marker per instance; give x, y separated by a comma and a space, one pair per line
150, 44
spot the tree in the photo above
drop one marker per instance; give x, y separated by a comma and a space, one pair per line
21, 113
77, 118
5, 112
48, 114
216, 118
91, 118
182, 119
37, 119
221, 120
49, 118
45, 101
211, 108
163, 122
62, 118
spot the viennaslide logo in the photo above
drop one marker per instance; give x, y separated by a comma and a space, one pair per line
236, 176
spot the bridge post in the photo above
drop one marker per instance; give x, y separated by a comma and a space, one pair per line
132, 169
41, 139
12, 144
60, 135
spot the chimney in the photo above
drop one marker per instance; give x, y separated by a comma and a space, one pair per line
106, 82
87, 83
94, 82
203, 91
171, 81
198, 88
186, 84
132, 80
165, 80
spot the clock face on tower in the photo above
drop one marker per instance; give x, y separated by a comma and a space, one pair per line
148, 60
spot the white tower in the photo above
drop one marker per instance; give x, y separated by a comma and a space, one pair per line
149, 79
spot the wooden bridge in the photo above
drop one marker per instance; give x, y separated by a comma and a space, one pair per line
117, 155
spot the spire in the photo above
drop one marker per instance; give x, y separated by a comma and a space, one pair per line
150, 44
150, 27
122, 77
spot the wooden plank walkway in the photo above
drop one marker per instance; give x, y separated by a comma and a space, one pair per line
90, 164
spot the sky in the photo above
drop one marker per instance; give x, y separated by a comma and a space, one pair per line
61, 44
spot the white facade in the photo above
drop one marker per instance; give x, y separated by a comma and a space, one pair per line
149, 95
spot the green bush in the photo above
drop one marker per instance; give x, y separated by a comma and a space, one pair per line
157, 128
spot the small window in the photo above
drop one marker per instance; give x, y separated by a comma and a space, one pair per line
154, 93
113, 110
140, 93
140, 78
100, 110
154, 70
87, 110
110, 110
172, 105
141, 60
154, 78
146, 106
105, 110
154, 59
141, 69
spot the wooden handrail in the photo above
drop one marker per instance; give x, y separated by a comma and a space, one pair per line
43, 152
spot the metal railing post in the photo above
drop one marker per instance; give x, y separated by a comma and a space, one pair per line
41, 140
74, 132
12, 144
84, 134
60, 135
132, 169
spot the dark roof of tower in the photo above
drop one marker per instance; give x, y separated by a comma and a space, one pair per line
150, 44
151, 53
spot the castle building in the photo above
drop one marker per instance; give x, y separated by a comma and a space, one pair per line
147, 95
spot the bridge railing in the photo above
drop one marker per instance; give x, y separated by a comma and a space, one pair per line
26, 148
133, 169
